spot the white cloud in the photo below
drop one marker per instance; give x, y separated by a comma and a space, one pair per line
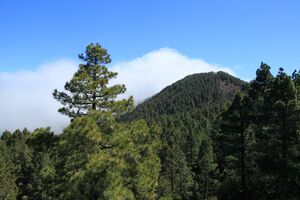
26, 96
147, 75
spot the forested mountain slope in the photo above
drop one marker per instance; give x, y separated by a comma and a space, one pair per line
185, 112
195, 91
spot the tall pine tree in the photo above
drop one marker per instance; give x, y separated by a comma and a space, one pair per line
89, 90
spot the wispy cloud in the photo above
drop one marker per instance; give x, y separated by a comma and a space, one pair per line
26, 96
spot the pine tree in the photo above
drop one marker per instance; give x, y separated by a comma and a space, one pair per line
109, 160
235, 143
42, 143
283, 149
89, 90
275, 119
263, 78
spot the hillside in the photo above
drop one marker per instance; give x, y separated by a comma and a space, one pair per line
200, 90
185, 112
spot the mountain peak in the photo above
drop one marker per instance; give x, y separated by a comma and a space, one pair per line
195, 91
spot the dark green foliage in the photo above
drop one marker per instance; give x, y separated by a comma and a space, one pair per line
265, 122
186, 156
278, 138
234, 148
205, 90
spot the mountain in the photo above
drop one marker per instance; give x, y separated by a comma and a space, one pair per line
196, 91
185, 112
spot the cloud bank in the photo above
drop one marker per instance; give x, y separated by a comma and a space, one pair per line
148, 74
26, 96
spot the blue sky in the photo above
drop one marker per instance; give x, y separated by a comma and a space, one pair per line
237, 34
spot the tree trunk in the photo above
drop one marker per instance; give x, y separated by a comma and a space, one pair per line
94, 102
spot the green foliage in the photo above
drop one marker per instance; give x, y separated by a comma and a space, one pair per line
89, 90
79, 140
30, 155
21, 155
42, 143
185, 111
109, 160
95, 158
234, 147
8, 187
257, 143
204, 90
278, 138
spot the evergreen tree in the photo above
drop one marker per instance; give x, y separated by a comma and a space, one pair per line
79, 140
21, 156
278, 140
235, 144
108, 160
89, 90
42, 143
176, 177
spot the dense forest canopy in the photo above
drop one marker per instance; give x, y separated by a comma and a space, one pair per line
207, 136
